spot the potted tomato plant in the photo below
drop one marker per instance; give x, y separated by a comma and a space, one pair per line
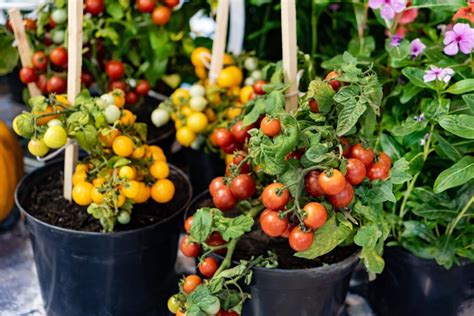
429, 115
118, 236
317, 191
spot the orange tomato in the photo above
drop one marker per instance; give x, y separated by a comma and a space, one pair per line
123, 146
162, 191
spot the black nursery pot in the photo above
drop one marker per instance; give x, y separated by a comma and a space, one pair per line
88, 273
319, 291
202, 168
410, 285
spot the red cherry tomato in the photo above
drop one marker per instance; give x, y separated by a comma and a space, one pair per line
331, 78
114, 69
300, 240
118, 85
355, 171
94, 7
188, 223
275, 196
42, 83
208, 267
171, 3
191, 282
258, 87
316, 215
222, 137
346, 147
224, 199
216, 184
314, 106
231, 148
239, 132
311, 184
365, 155
270, 127
30, 25
86, 79
385, 159
131, 98
188, 248
343, 198
238, 157
40, 61
297, 154
143, 87
271, 223
332, 183
161, 15
215, 239
56, 85
146, 6
27, 75
58, 57
243, 186
227, 313
378, 171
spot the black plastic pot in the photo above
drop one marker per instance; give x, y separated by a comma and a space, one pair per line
410, 285
202, 168
87, 273
317, 291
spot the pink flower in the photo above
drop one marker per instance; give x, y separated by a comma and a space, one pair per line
436, 73
388, 7
416, 47
461, 37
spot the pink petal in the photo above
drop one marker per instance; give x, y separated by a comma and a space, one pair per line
387, 12
449, 37
375, 4
398, 5
429, 77
466, 46
461, 28
451, 49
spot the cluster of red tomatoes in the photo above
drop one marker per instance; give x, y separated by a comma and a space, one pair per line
336, 187
161, 14
115, 71
36, 74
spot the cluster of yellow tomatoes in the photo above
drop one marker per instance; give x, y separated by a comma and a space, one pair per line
196, 110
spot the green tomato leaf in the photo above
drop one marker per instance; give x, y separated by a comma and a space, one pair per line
87, 137
236, 227
367, 236
202, 224
352, 109
373, 261
458, 174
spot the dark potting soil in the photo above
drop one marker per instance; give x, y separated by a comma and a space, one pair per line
256, 243
47, 204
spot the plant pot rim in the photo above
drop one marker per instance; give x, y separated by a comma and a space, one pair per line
27, 177
399, 249
168, 132
322, 269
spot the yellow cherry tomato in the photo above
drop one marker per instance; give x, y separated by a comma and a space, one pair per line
230, 76
210, 114
185, 136
97, 182
197, 122
229, 158
138, 152
81, 193
162, 191
200, 72
201, 56
186, 110
127, 172
96, 196
131, 189
37, 147
180, 96
122, 146
107, 137
119, 97
128, 118
143, 194
78, 177
81, 167
160, 170
245, 94
228, 59
178, 124
62, 98
232, 113
234, 91
121, 200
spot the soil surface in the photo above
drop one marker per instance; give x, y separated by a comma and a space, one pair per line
45, 201
257, 243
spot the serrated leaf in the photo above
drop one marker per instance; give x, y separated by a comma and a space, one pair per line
202, 224
352, 109
87, 137
236, 227
373, 261
400, 172
367, 236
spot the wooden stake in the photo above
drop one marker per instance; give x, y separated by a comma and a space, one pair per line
24, 48
75, 11
290, 66
218, 46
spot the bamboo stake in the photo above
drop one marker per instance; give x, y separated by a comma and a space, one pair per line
218, 46
290, 66
24, 48
75, 11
